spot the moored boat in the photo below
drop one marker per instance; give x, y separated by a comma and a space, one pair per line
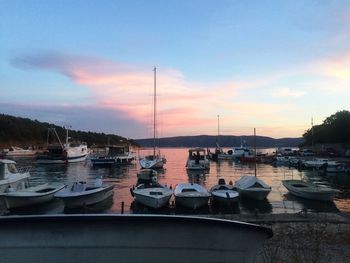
152, 194
15, 151
197, 159
81, 194
128, 238
10, 177
31, 195
63, 153
223, 192
309, 190
252, 187
191, 195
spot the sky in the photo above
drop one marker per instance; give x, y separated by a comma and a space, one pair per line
269, 65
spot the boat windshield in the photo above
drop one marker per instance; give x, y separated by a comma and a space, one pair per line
12, 168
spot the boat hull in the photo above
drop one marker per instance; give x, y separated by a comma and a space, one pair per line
86, 198
254, 193
309, 194
192, 202
221, 196
60, 160
152, 164
152, 202
26, 198
128, 238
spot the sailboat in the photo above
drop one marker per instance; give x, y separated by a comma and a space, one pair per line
251, 186
154, 161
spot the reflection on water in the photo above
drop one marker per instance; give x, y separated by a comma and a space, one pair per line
124, 177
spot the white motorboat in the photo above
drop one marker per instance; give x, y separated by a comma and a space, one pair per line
80, 194
31, 195
197, 159
129, 238
10, 177
191, 195
18, 152
318, 163
309, 190
155, 160
153, 195
63, 153
223, 192
252, 187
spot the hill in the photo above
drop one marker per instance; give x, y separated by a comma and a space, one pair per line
224, 141
24, 132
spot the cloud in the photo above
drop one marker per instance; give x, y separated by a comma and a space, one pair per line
287, 92
125, 93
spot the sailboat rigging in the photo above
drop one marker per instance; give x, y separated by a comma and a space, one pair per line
153, 161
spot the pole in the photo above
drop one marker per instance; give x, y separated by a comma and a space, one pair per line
218, 129
254, 153
154, 111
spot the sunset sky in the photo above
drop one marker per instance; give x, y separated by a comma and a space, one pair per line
272, 65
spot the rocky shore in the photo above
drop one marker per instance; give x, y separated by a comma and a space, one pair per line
303, 237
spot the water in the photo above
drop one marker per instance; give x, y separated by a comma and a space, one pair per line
124, 177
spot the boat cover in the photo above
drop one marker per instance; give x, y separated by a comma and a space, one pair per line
248, 181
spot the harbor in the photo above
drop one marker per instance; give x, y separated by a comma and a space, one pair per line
124, 177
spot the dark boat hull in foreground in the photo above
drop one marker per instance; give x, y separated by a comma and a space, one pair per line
127, 238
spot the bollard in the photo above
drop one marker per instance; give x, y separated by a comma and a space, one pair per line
122, 210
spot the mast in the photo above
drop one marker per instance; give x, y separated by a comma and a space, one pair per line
154, 110
218, 130
254, 153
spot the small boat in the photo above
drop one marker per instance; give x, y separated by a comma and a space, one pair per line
10, 177
197, 159
223, 192
309, 191
155, 160
129, 238
115, 154
63, 153
147, 175
152, 194
191, 195
31, 195
80, 194
18, 152
252, 187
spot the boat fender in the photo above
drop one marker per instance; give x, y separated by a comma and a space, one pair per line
171, 187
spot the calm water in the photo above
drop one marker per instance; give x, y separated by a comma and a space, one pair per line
279, 201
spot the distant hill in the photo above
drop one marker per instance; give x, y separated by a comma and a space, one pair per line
224, 141
24, 132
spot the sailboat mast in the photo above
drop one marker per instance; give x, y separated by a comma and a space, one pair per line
154, 110
218, 129
254, 153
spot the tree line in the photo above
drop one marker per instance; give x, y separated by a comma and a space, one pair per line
334, 129
23, 131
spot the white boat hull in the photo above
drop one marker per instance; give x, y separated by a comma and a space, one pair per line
192, 202
149, 201
224, 196
85, 198
29, 196
128, 238
61, 160
152, 164
319, 193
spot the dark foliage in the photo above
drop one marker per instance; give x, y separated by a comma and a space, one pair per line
16, 130
335, 129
